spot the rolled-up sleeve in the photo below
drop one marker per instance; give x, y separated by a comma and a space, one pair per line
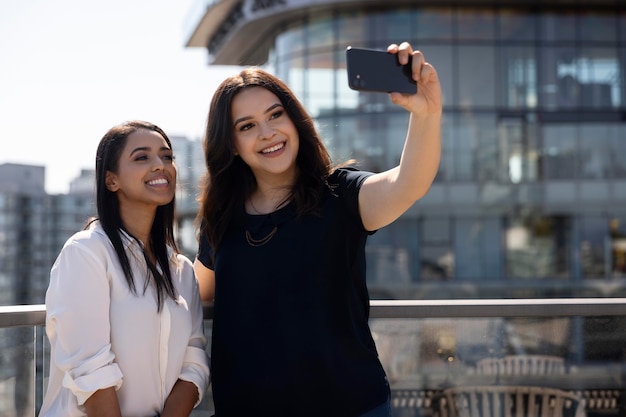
195, 367
77, 320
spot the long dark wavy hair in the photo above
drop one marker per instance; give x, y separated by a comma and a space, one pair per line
229, 181
162, 232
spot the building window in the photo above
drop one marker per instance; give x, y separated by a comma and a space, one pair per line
592, 248
475, 24
538, 247
437, 259
518, 77
389, 255
560, 152
434, 24
477, 245
476, 86
595, 143
617, 231
598, 27
559, 26
516, 25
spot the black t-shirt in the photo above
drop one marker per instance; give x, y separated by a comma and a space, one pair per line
290, 329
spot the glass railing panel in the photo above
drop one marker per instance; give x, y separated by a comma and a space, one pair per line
42, 365
438, 354
435, 364
17, 371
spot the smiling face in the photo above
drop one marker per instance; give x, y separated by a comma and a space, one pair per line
264, 135
146, 173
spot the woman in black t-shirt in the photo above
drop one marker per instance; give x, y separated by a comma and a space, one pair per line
282, 248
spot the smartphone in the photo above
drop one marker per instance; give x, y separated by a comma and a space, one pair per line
374, 70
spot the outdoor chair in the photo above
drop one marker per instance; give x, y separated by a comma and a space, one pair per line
508, 401
521, 365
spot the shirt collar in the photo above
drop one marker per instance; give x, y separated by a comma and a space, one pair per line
129, 242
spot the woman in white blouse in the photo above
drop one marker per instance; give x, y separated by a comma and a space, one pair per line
123, 313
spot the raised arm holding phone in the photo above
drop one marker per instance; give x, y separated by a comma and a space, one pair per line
282, 247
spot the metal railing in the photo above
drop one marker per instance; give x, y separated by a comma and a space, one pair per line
545, 307
423, 330
34, 315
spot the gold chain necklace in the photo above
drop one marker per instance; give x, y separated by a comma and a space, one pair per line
259, 242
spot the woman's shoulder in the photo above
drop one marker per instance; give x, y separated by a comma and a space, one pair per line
92, 238
348, 177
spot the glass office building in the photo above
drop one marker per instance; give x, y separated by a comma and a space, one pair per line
530, 199
34, 226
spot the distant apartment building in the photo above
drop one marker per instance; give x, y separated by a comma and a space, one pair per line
23, 251
191, 168
33, 227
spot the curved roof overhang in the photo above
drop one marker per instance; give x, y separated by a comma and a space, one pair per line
241, 32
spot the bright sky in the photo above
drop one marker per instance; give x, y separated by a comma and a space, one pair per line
71, 69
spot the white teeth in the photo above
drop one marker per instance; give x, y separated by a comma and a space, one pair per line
158, 181
273, 148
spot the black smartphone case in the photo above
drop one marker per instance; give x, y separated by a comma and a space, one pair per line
374, 70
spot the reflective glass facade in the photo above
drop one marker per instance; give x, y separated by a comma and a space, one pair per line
530, 199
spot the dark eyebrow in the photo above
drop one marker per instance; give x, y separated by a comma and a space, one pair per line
146, 148
269, 109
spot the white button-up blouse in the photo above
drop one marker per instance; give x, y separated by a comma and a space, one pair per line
102, 335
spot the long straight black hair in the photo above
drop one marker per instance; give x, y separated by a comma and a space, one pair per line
108, 208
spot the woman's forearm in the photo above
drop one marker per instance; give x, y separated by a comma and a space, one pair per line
103, 403
181, 400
